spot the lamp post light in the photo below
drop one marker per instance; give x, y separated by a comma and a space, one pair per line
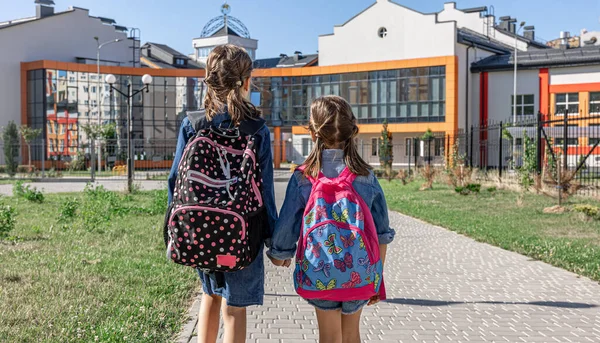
515, 74
99, 85
146, 80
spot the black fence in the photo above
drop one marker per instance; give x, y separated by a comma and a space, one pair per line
517, 149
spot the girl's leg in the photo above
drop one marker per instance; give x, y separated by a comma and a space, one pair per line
330, 326
351, 327
234, 320
208, 319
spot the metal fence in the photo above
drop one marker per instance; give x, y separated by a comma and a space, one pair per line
500, 150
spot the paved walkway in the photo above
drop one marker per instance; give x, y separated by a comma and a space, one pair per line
443, 287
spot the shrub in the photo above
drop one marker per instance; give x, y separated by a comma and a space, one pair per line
588, 210
27, 192
492, 189
474, 187
428, 173
68, 210
7, 220
10, 135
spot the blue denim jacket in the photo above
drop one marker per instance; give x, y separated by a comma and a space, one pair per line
264, 156
287, 228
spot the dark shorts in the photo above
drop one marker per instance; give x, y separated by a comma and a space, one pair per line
347, 307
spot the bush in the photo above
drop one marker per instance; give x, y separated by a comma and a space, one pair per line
7, 220
10, 135
68, 210
491, 189
588, 210
27, 192
468, 189
428, 173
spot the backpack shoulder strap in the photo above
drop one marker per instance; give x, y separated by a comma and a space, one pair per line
198, 119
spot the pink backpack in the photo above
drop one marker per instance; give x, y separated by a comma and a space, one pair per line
338, 251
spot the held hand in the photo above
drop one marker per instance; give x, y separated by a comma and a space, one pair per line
374, 300
276, 262
287, 263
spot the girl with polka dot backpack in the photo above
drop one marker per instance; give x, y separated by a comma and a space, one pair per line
221, 196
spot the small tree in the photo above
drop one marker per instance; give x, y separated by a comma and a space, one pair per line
10, 135
29, 134
386, 153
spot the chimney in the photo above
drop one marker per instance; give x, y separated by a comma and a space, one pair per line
564, 39
44, 8
504, 23
298, 56
529, 32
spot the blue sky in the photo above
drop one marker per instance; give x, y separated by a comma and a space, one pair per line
283, 26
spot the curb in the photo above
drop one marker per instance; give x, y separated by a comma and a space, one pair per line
189, 328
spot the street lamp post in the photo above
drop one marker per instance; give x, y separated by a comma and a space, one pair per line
515, 74
147, 80
100, 45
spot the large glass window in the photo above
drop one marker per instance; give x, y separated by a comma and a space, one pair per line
567, 101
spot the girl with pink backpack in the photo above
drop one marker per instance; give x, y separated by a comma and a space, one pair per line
335, 220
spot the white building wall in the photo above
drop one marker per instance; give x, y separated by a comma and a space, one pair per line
474, 56
62, 37
410, 34
501, 89
575, 75
251, 45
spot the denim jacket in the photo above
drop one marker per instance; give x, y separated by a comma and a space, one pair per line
289, 224
264, 156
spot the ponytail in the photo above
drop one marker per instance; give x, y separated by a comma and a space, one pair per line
314, 161
227, 69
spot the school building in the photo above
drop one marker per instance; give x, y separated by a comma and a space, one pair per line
442, 71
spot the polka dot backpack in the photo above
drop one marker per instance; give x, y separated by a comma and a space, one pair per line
216, 220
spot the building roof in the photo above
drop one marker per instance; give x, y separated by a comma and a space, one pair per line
296, 60
468, 37
15, 22
222, 32
266, 63
540, 59
167, 49
530, 42
165, 57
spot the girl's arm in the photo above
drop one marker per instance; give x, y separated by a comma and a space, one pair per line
379, 210
287, 228
186, 131
265, 159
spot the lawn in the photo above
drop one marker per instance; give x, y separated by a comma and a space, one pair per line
564, 240
91, 267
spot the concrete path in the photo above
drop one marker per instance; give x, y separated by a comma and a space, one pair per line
443, 287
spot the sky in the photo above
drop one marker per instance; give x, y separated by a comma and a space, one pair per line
285, 26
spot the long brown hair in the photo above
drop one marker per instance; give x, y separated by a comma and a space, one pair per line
227, 69
334, 126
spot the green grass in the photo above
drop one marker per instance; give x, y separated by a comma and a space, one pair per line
564, 240
68, 282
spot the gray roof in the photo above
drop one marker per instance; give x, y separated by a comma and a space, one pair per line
222, 32
168, 50
293, 61
286, 61
540, 59
468, 37
532, 42
266, 63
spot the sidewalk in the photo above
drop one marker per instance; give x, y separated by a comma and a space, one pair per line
443, 287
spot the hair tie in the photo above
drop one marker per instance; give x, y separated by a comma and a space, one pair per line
238, 83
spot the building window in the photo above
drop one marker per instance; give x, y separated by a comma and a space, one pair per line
374, 146
558, 142
525, 104
595, 103
408, 147
306, 146
180, 62
93, 89
567, 101
382, 32
86, 89
204, 52
439, 146
593, 134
